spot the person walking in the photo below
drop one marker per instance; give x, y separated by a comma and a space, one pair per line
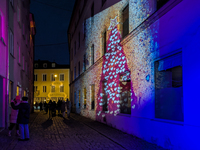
63, 108
50, 106
13, 118
41, 104
68, 107
23, 118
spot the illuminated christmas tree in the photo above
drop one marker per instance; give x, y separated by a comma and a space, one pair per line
115, 90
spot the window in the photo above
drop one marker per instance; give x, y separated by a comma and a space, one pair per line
45, 65
125, 21
36, 65
53, 88
75, 48
104, 42
11, 43
17, 91
53, 77
62, 88
53, 65
19, 55
62, 77
74, 73
84, 28
44, 77
169, 88
92, 54
105, 96
44, 89
35, 77
79, 68
103, 2
125, 93
10, 91
84, 62
85, 97
160, 3
92, 96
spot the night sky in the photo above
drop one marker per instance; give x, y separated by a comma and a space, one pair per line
52, 19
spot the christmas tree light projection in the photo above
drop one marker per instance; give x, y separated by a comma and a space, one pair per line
115, 90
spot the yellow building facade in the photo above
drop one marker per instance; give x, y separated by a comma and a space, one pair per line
51, 81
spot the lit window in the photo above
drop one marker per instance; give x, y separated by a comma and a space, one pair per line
44, 77
92, 96
17, 91
62, 77
44, 89
85, 97
53, 77
45, 65
53, 65
62, 88
36, 65
53, 89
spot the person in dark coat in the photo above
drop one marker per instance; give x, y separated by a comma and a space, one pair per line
23, 118
46, 107
63, 108
50, 106
41, 106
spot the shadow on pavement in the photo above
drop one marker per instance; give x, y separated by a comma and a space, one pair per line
47, 123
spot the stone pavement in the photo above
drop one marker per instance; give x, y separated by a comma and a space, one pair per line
75, 133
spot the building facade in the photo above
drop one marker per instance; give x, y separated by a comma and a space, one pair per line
51, 81
133, 64
16, 67
4, 53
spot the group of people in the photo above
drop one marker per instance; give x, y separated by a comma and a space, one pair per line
19, 117
51, 107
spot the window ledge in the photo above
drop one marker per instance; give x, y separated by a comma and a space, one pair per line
168, 121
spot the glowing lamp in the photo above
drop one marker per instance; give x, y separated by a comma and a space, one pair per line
55, 75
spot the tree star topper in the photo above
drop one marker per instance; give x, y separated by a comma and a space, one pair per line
113, 23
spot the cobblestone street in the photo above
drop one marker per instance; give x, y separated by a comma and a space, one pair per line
75, 133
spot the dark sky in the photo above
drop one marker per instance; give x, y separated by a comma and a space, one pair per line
52, 18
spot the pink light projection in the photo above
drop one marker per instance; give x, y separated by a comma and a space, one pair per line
115, 83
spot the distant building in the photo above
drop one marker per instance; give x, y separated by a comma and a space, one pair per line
16, 55
146, 84
51, 81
